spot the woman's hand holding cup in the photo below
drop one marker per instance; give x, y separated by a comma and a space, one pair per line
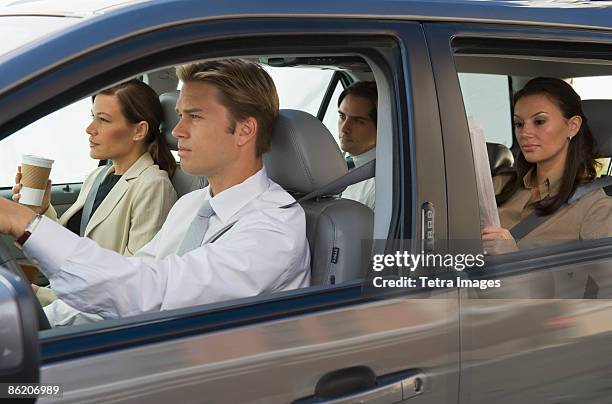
46, 201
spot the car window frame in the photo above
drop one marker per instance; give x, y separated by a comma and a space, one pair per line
338, 77
553, 41
316, 300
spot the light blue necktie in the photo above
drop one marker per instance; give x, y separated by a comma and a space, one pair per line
197, 229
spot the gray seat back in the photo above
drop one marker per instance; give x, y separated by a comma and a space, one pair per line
500, 157
183, 183
338, 232
599, 118
304, 157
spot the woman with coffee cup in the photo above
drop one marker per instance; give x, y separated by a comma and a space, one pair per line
121, 206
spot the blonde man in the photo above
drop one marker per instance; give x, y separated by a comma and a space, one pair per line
249, 245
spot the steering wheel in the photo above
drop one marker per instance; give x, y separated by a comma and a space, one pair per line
8, 262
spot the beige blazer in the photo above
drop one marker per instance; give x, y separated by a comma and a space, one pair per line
133, 211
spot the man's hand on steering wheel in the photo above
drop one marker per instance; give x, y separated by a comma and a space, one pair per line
8, 262
14, 218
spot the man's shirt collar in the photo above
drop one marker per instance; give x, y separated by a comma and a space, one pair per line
363, 158
227, 203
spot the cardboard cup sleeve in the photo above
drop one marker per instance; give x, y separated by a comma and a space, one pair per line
35, 174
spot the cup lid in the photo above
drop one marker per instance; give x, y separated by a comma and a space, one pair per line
36, 160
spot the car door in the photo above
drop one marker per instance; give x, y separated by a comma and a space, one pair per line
544, 335
286, 346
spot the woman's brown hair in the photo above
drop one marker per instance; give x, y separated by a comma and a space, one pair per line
139, 102
580, 165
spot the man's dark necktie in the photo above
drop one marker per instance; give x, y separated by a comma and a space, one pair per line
349, 162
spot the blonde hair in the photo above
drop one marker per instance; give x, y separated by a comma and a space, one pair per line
245, 89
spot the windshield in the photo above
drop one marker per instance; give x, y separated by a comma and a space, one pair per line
16, 31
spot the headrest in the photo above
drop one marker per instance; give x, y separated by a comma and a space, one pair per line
599, 118
499, 156
303, 155
168, 102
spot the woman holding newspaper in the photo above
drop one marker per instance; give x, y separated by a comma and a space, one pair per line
547, 197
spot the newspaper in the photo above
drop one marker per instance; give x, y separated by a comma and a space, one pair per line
484, 182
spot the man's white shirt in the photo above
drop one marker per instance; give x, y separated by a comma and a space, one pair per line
364, 191
265, 250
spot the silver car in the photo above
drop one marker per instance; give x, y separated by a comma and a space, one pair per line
542, 338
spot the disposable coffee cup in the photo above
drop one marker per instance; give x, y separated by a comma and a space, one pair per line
34, 176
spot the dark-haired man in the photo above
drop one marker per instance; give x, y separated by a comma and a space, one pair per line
357, 110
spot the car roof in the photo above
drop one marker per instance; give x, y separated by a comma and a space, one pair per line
565, 13
574, 12
61, 8
98, 23
27, 21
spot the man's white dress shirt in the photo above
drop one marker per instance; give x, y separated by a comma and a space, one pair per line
364, 191
266, 250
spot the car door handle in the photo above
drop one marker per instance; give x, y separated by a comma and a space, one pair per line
359, 384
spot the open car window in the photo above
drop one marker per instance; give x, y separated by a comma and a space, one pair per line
487, 101
75, 141
59, 136
588, 82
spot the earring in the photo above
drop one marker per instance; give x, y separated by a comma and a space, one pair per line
569, 138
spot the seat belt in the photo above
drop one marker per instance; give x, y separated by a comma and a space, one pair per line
584, 189
91, 197
220, 232
533, 220
358, 174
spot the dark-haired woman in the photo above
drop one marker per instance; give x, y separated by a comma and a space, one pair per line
135, 194
557, 155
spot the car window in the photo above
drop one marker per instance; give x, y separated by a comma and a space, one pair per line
593, 88
493, 100
59, 136
305, 97
486, 98
331, 114
308, 100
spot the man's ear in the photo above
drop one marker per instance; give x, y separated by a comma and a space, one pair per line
246, 131
142, 128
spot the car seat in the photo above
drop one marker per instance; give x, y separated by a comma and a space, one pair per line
500, 157
304, 156
599, 118
183, 183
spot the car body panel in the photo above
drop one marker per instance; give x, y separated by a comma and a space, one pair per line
278, 361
